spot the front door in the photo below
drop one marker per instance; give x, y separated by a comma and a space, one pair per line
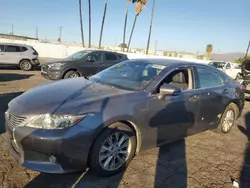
174, 117
2, 55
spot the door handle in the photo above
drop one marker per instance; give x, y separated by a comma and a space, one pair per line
225, 91
194, 98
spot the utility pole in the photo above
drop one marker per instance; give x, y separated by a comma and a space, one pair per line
37, 32
60, 34
247, 49
156, 42
12, 29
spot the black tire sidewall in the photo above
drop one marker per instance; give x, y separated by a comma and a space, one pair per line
27, 62
229, 107
94, 154
66, 76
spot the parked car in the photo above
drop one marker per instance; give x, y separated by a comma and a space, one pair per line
81, 64
21, 55
231, 69
104, 121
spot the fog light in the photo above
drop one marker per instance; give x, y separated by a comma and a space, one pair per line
52, 159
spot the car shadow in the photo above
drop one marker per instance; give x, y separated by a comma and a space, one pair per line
245, 171
5, 77
4, 100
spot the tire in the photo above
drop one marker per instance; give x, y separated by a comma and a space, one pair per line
111, 154
223, 127
25, 65
71, 74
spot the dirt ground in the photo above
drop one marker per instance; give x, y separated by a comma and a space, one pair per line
207, 160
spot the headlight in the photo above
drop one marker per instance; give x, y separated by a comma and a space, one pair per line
56, 64
48, 121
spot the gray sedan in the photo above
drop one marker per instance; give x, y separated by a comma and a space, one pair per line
104, 121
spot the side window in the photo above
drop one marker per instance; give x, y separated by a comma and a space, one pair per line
95, 56
1, 48
110, 56
23, 49
178, 78
12, 48
228, 66
209, 77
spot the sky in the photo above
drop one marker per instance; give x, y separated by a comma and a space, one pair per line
177, 25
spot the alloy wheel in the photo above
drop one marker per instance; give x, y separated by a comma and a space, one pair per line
228, 120
114, 151
25, 65
74, 75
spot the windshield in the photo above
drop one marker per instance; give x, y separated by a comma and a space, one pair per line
129, 75
78, 55
217, 64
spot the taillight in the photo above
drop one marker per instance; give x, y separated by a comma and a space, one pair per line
242, 88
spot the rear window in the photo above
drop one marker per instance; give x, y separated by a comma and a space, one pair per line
23, 49
35, 52
10, 48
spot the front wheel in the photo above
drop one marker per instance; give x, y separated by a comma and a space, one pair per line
71, 74
113, 150
228, 118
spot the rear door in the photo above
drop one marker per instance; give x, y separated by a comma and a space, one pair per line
12, 54
2, 54
213, 97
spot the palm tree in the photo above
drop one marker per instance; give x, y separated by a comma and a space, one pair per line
150, 27
209, 50
103, 19
125, 23
89, 24
81, 25
247, 49
139, 6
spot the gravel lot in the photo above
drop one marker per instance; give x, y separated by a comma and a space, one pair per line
204, 160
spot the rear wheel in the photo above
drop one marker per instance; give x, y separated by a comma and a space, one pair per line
71, 74
228, 118
25, 65
113, 150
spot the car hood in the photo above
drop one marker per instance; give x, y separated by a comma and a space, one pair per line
63, 97
58, 61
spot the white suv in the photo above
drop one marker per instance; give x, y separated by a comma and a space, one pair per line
231, 69
21, 55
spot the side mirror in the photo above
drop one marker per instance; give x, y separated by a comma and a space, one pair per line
169, 90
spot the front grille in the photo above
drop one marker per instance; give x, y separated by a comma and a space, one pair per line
14, 120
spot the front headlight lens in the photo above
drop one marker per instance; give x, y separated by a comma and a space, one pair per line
56, 64
48, 121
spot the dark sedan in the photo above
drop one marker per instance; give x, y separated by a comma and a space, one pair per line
81, 64
103, 121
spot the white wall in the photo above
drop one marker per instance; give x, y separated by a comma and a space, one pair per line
62, 51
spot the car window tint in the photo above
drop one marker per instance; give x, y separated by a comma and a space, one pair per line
110, 56
95, 56
12, 48
209, 77
1, 48
23, 49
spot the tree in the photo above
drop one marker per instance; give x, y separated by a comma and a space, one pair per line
103, 19
125, 23
209, 50
123, 45
150, 26
241, 59
140, 4
81, 25
89, 23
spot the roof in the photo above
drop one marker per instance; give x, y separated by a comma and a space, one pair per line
166, 61
16, 44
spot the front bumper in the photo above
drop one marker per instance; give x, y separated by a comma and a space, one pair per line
51, 74
50, 151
